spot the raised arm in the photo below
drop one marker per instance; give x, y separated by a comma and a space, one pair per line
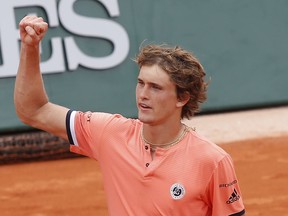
31, 101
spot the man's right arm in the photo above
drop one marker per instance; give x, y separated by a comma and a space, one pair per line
31, 101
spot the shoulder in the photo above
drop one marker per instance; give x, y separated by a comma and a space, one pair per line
204, 149
100, 122
97, 117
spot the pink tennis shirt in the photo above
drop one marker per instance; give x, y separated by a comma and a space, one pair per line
193, 178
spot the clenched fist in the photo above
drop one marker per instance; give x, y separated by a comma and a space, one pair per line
32, 30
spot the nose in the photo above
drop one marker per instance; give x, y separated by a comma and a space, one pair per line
143, 92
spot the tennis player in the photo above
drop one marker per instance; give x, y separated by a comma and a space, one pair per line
154, 165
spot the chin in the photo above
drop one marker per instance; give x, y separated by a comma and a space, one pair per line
144, 119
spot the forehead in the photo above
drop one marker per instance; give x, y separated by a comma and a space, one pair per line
154, 74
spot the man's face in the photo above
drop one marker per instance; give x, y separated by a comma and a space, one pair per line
156, 96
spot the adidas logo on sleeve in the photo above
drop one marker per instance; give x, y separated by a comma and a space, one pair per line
234, 197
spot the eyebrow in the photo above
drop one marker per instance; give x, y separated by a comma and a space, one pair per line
150, 83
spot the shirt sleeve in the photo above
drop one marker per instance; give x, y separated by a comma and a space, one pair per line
84, 131
89, 131
224, 191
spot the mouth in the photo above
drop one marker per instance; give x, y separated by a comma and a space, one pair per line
144, 106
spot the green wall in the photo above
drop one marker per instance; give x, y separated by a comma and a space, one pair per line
243, 46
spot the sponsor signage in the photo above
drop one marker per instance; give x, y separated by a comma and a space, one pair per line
65, 52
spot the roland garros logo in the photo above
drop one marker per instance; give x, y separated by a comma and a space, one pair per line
177, 191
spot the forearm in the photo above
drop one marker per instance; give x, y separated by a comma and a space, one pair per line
31, 101
29, 94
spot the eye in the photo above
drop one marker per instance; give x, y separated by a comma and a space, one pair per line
140, 82
156, 87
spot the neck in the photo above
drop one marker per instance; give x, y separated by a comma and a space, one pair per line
162, 136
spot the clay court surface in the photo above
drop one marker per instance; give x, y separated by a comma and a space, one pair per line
74, 186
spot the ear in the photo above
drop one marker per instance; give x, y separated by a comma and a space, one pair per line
183, 99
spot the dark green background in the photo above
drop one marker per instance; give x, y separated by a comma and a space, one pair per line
242, 44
